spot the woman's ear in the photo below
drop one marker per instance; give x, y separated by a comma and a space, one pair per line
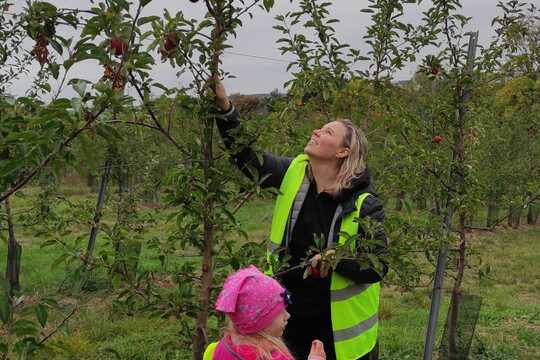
343, 153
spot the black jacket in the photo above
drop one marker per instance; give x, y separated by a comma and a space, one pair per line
275, 167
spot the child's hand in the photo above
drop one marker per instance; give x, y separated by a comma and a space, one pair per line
317, 351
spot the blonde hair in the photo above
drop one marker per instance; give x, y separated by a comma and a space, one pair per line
355, 163
264, 343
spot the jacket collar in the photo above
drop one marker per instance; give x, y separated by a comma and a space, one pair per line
361, 184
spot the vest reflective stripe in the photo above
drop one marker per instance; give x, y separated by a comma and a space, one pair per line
352, 332
296, 207
209, 352
271, 247
348, 292
354, 308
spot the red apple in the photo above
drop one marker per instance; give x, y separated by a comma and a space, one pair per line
171, 41
315, 272
437, 139
40, 50
118, 46
108, 73
42, 55
164, 53
119, 83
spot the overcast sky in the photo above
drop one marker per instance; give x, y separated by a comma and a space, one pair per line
257, 38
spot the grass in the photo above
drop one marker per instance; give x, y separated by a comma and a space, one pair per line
508, 325
509, 321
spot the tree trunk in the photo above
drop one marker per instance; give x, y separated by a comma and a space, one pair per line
200, 338
532, 214
151, 196
123, 183
492, 213
126, 251
453, 346
469, 219
436, 207
13, 267
457, 178
514, 216
99, 208
92, 183
120, 265
400, 200
421, 203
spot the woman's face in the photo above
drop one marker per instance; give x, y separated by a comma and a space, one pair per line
327, 143
277, 326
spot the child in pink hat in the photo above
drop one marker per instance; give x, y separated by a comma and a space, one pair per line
255, 305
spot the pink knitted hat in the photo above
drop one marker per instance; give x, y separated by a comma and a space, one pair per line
251, 299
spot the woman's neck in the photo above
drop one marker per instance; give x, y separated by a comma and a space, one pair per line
325, 175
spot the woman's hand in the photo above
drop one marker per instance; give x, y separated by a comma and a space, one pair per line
320, 266
314, 264
222, 100
317, 351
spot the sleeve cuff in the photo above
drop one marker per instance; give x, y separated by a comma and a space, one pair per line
227, 112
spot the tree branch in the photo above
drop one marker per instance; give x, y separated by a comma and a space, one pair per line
160, 128
60, 325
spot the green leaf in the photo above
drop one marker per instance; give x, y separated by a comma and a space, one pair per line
62, 258
46, 87
25, 347
235, 264
76, 104
144, 3
51, 302
48, 243
5, 309
268, 4
24, 327
55, 69
61, 103
147, 19
108, 132
68, 63
161, 86
45, 8
41, 314
9, 167
79, 86
56, 46
143, 60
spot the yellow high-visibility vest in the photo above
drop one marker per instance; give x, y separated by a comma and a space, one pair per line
354, 307
209, 352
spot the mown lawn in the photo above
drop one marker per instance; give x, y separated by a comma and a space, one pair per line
508, 325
